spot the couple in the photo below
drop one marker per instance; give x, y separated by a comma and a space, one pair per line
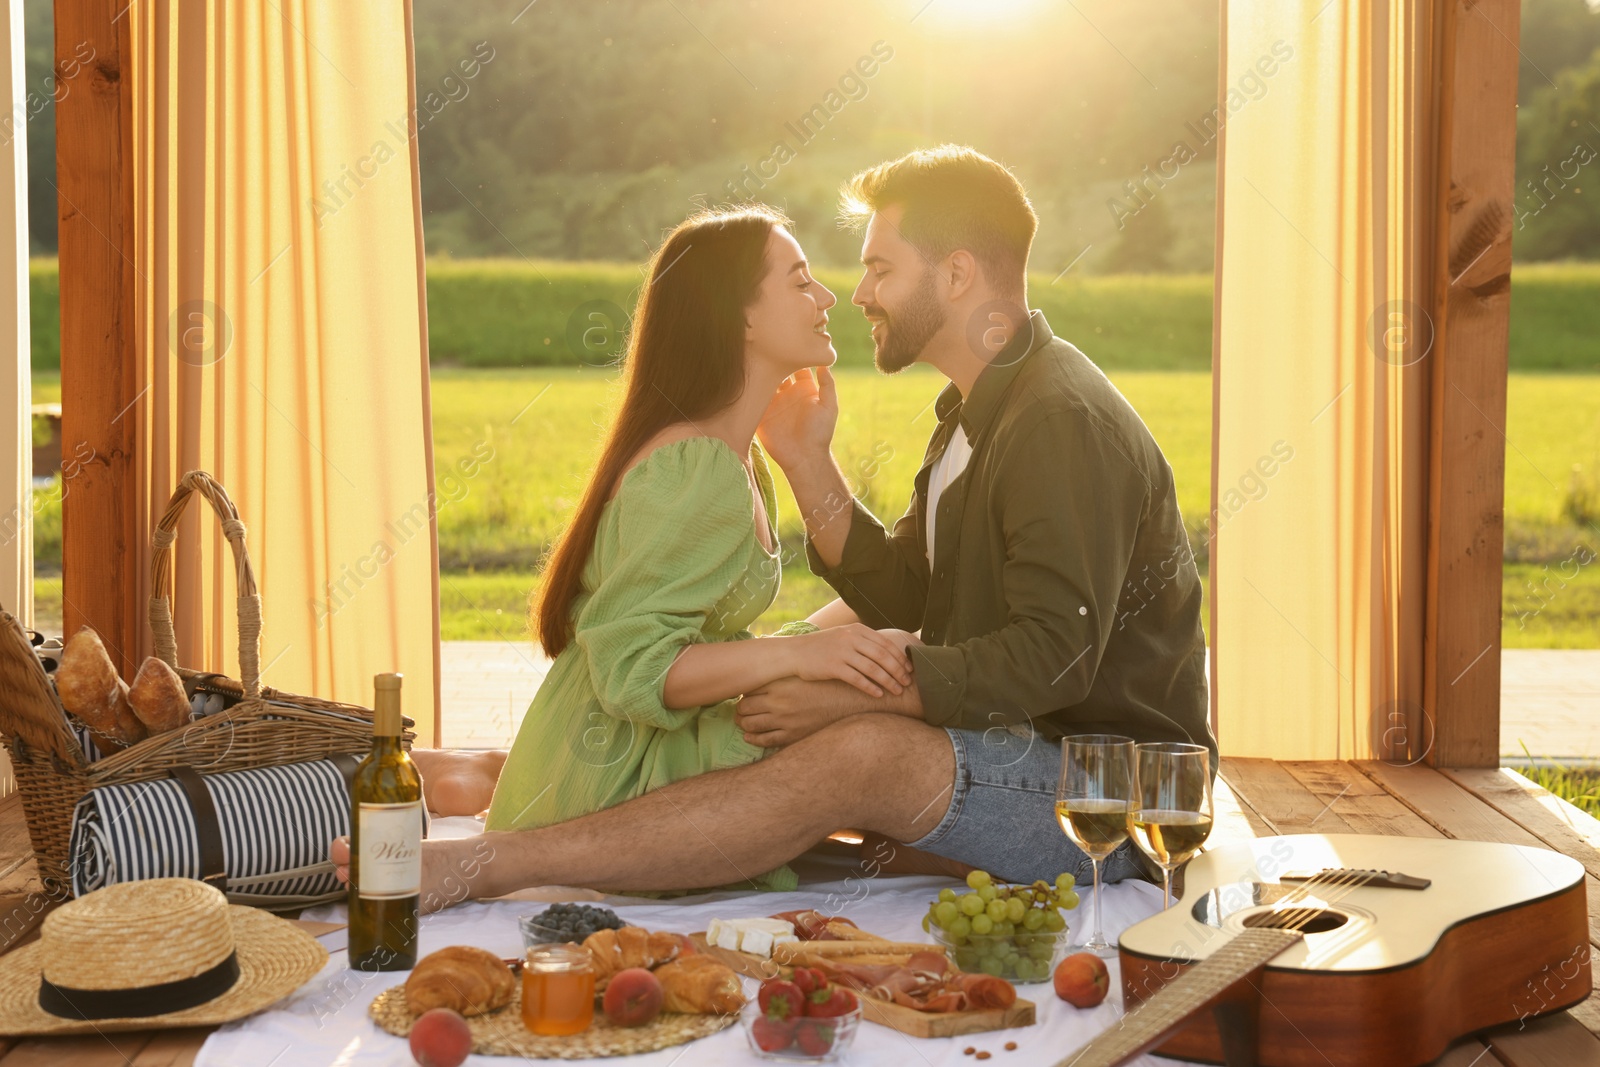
1039, 584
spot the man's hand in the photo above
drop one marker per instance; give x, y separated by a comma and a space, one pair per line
782, 712
452, 869
798, 425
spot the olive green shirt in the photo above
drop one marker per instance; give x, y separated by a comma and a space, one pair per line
1063, 591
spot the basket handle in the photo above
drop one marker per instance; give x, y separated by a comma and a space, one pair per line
248, 602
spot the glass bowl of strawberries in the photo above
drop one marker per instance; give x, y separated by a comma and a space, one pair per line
803, 1018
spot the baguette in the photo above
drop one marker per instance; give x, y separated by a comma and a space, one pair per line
157, 697
90, 689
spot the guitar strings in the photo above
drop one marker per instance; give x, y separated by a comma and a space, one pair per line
1339, 883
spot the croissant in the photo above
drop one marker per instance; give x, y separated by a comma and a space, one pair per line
90, 689
462, 978
700, 985
631, 946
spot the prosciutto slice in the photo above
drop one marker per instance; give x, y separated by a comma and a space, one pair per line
925, 983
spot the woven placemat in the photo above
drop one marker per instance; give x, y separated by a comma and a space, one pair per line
501, 1033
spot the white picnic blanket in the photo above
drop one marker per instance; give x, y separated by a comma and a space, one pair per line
325, 1024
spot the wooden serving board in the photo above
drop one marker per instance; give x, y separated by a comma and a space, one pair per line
908, 1021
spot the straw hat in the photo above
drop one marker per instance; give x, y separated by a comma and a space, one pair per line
151, 954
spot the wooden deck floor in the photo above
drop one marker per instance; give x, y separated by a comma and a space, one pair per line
1254, 798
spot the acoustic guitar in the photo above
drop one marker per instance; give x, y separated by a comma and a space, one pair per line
1313, 949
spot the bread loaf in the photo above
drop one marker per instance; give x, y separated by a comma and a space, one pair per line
90, 689
157, 697
465, 979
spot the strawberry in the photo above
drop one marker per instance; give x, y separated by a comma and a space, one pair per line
815, 1037
809, 979
772, 1035
780, 1000
830, 1002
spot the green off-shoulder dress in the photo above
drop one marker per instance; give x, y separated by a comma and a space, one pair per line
676, 561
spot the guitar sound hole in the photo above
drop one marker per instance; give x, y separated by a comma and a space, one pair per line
1320, 922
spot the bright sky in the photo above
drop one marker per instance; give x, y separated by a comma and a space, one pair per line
987, 11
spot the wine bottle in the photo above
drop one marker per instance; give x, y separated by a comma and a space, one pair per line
385, 844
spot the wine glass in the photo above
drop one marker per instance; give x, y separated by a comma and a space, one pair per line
1093, 800
1171, 816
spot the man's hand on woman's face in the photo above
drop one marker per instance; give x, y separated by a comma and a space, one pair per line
798, 424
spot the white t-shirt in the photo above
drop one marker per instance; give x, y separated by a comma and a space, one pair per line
945, 470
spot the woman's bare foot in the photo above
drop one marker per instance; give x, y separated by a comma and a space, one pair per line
458, 781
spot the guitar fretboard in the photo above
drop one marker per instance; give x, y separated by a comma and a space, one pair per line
1147, 1022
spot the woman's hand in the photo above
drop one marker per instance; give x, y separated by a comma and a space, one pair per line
871, 660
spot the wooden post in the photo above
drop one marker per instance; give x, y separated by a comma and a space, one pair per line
94, 175
1476, 97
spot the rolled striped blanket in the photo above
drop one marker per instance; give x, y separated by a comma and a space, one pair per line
255, 834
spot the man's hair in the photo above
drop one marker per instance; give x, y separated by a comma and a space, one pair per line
952, 197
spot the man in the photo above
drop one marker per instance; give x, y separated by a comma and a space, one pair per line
1042, 558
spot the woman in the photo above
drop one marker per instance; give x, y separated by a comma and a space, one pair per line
672, 552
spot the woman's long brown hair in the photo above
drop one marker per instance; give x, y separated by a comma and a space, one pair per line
685, 361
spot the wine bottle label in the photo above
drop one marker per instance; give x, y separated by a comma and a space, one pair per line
391, 850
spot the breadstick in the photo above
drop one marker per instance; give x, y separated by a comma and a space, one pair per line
790, 950
846, 932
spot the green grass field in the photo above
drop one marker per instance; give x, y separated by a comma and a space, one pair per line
499, 339
494, 527
519, 313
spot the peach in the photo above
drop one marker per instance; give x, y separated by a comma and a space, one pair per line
1081, 980
440, 1038
633, 997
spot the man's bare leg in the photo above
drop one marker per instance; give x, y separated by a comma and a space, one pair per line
884, 773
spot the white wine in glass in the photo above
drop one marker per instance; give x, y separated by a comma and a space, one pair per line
1171, 816
1093, 801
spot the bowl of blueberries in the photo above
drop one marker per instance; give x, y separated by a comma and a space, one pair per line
566, 922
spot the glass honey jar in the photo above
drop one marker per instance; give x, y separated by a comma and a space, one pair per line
557, 990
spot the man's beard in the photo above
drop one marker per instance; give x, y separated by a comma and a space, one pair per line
910, 329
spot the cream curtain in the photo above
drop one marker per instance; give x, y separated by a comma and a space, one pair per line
283, 334
1320, 380
16, 386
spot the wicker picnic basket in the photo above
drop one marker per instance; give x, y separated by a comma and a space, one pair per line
265, 727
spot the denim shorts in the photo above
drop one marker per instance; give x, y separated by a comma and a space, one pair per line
1002, 814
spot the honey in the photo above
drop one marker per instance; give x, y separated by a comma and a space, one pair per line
557, 990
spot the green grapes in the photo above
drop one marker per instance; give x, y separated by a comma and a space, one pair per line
1006, 930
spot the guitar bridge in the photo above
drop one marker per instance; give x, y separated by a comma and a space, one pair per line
1373, 879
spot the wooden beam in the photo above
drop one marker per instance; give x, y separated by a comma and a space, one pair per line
101, 537
1476, 106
